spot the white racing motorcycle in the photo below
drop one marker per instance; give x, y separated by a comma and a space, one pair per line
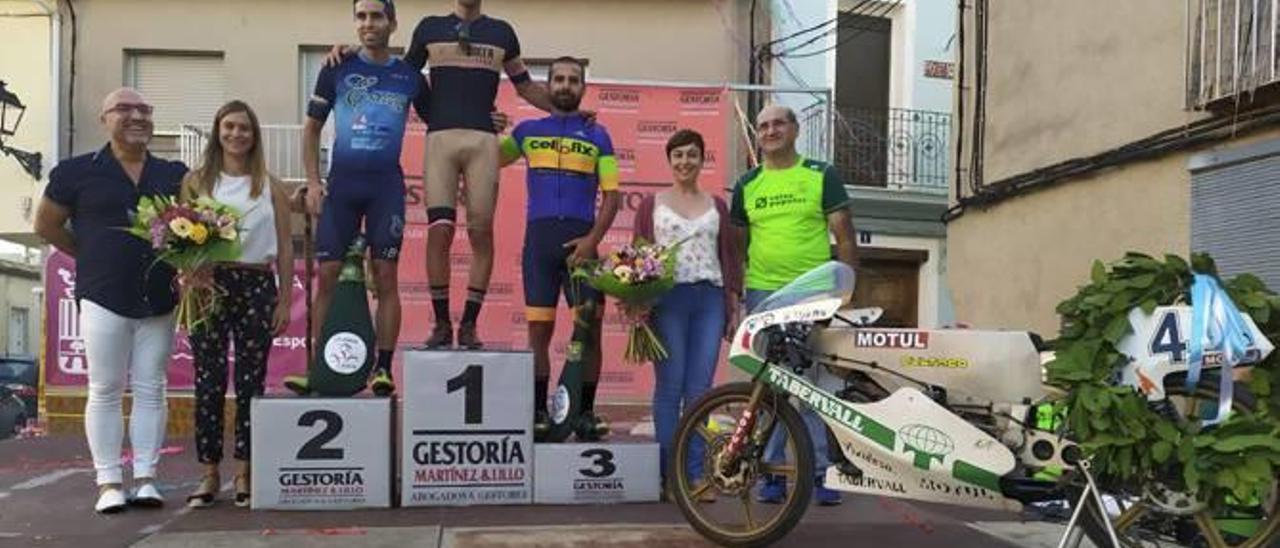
936, 415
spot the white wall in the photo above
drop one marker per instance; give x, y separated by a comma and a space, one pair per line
934, 24
789, 17
26, 65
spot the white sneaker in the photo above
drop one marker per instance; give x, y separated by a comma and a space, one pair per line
110, 501
147, 496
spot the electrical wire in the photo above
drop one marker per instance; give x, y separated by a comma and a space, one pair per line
1175, 139
801, 32
766, 50
855, 10
1183, 137
960, 104
976, 165
71, 84
853, 34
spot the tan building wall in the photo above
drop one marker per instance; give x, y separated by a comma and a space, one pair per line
1009, 266
1070, 79
1065, 80
26, 67
624, 39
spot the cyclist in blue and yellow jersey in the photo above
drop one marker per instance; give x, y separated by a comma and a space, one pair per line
570, 159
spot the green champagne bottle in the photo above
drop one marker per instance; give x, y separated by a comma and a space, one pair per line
566, 402
346, 354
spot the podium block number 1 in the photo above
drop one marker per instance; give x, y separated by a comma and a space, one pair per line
466, 428
472, 380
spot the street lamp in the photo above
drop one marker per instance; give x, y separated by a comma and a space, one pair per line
11, 111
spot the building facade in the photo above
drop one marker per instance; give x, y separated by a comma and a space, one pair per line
29, 147
188, 58
28, 138
890, 66
1088, 129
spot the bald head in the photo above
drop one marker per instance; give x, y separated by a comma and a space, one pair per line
777, 130
126, 117
777, 112
122, 95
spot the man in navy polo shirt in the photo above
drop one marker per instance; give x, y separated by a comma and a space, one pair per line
126, 299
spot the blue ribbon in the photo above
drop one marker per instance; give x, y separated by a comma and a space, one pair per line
1216, 325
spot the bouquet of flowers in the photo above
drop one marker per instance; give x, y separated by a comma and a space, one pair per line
190, 236
637, 275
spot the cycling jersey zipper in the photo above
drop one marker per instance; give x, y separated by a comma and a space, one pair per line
560, 169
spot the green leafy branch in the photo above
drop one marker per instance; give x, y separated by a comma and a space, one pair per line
1129, 441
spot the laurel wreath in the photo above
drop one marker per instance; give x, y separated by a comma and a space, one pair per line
1128, 442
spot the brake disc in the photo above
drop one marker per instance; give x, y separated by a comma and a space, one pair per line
1172, 502
730, 478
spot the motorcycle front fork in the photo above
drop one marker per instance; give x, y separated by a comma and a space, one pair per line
746, 424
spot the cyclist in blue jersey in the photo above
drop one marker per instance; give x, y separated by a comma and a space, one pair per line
369, 94
569, 160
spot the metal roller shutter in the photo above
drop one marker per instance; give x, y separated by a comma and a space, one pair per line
1234, 199
185, 88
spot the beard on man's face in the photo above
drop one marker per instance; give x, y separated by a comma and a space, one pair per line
566, 101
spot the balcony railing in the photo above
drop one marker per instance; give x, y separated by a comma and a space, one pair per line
893, 148
889, 148
1231, 49
281, 143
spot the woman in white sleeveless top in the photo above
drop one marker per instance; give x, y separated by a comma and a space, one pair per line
255, 306
692, 318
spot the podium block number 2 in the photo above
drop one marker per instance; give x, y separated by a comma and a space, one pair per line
315, 449
471, 379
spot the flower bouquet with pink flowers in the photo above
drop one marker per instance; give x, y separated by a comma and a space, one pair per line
190, 237
637, 275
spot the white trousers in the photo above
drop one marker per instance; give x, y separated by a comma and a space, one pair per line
119, 348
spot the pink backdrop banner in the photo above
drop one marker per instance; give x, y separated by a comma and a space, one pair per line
64, 348
639, 119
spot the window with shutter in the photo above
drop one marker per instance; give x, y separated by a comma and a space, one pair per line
184, 87
1232, 194
310, 61
1231, 50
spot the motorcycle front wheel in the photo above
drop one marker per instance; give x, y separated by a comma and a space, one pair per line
720, 484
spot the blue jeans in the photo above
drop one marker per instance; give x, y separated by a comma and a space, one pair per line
690, 322
775, 451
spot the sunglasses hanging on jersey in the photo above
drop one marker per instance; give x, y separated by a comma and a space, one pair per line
464, 36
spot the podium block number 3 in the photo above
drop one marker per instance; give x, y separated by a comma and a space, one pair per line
315, 449
472, 379
601, 463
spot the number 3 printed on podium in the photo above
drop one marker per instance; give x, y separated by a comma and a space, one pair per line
602, 465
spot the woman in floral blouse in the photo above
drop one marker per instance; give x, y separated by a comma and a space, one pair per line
692, 318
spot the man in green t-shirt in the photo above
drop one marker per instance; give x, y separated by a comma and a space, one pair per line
785, 211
